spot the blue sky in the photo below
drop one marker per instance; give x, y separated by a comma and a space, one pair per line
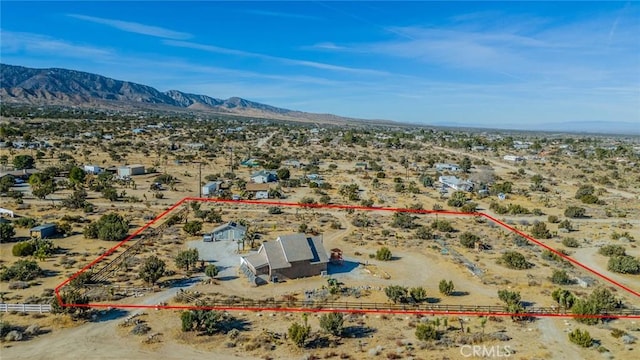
502, 64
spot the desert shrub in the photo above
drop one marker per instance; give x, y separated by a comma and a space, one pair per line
446, 287
418, 294
23, 270
6, 232
570, 242
333, 323
192, 227
110, 227
515, 260
612, 250
468, 239
457, 199
540, 231
624, 264
274, 210
152, 269
396, 293
574, 212
25, 222
581, 337
426, 332
384, 254
403, 220
442, 225
298, 333
424, 233
211, 271
23, 248
553, 219
560, 277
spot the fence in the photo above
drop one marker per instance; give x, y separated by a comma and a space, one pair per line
41, 308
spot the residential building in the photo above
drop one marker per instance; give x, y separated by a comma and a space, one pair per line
456, 183
288, 257
130, 170
93, 169
231, 231
211, 187
449, 167
264, 176
258, 190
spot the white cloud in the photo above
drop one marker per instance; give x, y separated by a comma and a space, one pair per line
13, 42
312, 64
134, 27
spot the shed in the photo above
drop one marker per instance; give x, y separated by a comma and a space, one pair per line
43, 231
92, 169
130, 170
211, 187
229, 231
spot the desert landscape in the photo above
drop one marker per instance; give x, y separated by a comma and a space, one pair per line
378, 198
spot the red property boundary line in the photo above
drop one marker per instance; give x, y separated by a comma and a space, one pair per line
364, 311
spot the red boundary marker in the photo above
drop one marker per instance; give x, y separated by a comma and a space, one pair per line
363, 311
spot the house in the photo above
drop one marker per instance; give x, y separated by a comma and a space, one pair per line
229, 231
292, 163
455, 183
43, 231
258, 190
130, 170
449, 167
264, 176
7, 212
92, 169
288, 257
513, 158
211, 187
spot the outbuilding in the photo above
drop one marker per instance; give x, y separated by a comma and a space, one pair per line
130, 170
43, 231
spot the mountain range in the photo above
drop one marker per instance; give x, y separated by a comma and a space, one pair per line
55, 86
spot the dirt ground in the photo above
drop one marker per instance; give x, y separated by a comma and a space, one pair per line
416, 263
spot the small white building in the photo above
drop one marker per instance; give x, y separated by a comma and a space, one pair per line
449, 167
264, 176
93, 169
514, 158
229, 231
211, 187
130, 170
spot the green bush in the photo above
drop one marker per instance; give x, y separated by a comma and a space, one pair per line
574, 212
110, 227
333, 323
570, 242
426, 332
23, 270
624, 264
384, 254
581, 338
515, 260
25, 222
299, 333
560, 277
446, 287
612, 250
468, 239
418, 294
23, 248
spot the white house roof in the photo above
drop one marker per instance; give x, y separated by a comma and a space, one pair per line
229, 225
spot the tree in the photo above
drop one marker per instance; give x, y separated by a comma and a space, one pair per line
396, 293
6, 182
446, 287
581, 338
22, 270
465, 164
563, 297
457, 199
6, 232
110, 227
76, 200
426, 332
23, 162
152, 270
333, 323
469, 240
418, 294
509, 297
211, 271
283, 174
192, 227
76, 176
383, 254
515, 260
42, 185
187, 259
23, 248
298, 333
